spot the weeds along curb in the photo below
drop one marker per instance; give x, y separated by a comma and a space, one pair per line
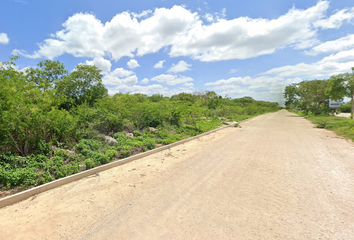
57, 183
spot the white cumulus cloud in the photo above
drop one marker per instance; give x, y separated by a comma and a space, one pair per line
336, 20
145, 81
185, 34
103, 64
270, 84
189, 85
159, 64
120, 76
209, 17
171, 79
336, 45
84, 35
245, 37
269, 88
148, 90
181, 66
4, 39
133, 64
331, 65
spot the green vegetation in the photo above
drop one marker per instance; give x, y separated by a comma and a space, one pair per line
312, 97
342, 126
52, 121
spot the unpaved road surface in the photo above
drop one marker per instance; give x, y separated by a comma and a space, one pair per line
277, 177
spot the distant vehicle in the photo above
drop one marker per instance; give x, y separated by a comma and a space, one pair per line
334, 104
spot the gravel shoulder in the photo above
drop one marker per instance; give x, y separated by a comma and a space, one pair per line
277, 177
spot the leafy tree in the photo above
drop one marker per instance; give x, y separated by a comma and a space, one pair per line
313, 96
47, 75
84, 84
291, 96
342, 85
185, 97
244, 100
156, 98
308, 96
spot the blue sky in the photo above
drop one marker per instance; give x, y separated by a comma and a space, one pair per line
235, 48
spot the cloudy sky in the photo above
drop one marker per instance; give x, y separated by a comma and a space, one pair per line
235, 48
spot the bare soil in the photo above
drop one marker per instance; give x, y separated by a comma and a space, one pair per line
343, 115
277, 177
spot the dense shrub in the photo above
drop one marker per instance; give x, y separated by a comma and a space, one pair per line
46, 111
110, 154
345, 108
18, 176
90, 163
137, 133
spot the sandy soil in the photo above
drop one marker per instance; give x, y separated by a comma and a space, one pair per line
277, 177
344, 115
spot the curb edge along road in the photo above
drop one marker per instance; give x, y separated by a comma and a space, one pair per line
57, 183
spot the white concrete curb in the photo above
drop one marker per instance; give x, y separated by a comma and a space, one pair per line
36, 190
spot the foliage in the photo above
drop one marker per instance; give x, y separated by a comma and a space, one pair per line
342, 85
83, 85
345, 108
342, 126
313, 96
46, 111
308, 96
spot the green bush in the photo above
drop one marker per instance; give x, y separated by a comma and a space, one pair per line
46, 107
166, 141
345, 108
322, 124
18, 176
66, 170
119, 135
86, 152
162, 133
54, 163
125, 151
80, 147
43, 147
149, 143
100, 157
189, 130
91, 144
61, 153
44, 177
342, 126
90, 163
37, 161
136, 133
110, 154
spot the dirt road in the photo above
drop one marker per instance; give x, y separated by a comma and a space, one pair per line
277, 177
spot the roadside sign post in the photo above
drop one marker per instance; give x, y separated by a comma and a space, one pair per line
334, 104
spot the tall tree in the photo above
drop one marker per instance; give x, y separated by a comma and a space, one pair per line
47, 75
313, 95
342, 85
308, 96
84, 84
291, 96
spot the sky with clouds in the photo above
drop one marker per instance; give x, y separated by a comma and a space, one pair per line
235, 48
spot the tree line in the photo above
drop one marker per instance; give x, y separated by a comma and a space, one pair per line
53, 121
313, 96
48, 106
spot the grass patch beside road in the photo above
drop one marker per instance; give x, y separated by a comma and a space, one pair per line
342, 126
